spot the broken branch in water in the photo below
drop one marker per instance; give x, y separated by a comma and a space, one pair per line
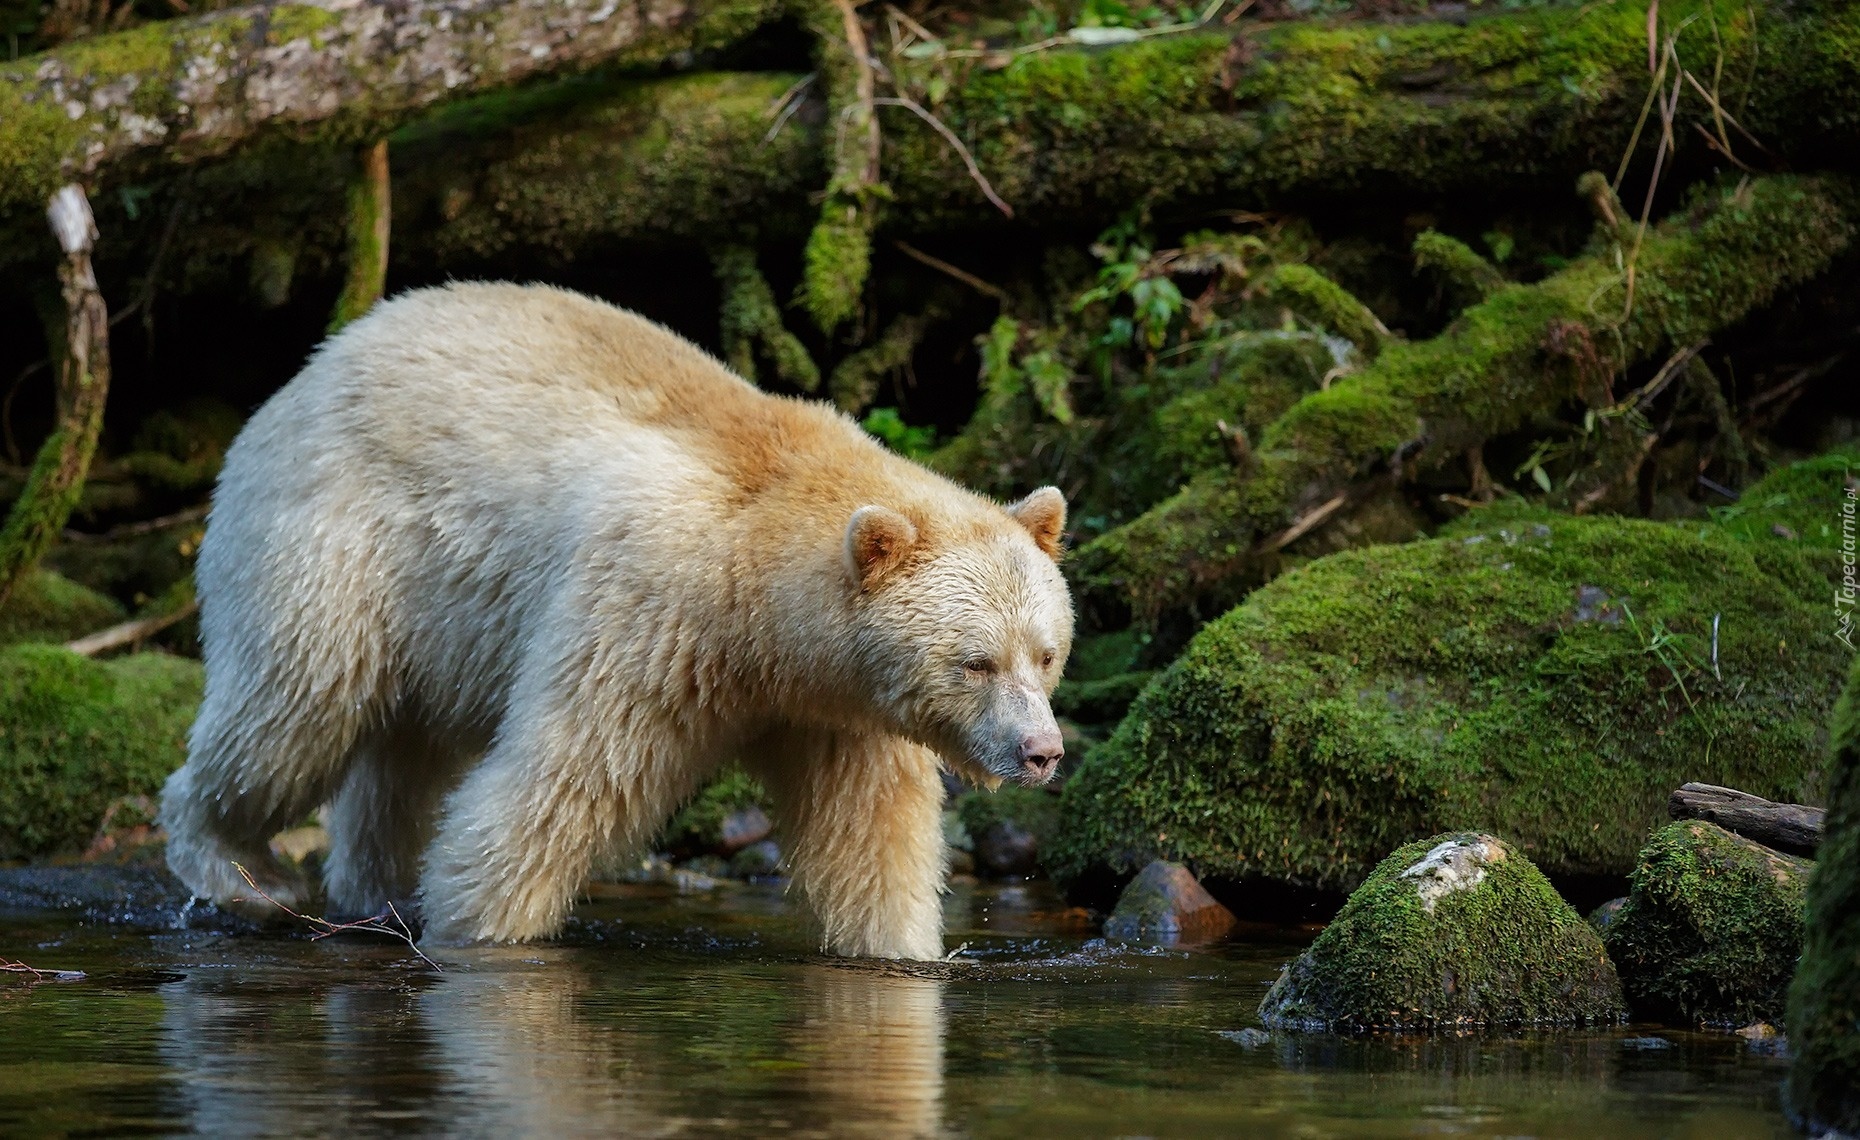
378, 924
8, 966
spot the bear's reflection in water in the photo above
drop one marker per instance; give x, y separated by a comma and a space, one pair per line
542, 1047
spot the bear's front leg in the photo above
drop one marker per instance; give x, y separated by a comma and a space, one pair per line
518, 838
863, 817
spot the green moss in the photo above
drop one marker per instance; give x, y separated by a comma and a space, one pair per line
76, 734
750, 321
1711, 928
856, 378
47, 607
1450, 932
1470, 274
838, 259
1492, 681
1522, 353
698, 825
1823, 1092
1328, 305
1799, 503
678, 159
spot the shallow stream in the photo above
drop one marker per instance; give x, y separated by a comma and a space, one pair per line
666, 1015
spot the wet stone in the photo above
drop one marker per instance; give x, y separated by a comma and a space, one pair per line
759, 860
1166, 902
741, 828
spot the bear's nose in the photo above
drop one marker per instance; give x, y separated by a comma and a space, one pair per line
1040, 755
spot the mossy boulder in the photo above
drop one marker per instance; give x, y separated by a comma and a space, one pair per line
77, 734
1823, 1092
47, 607
1451, 932
1712, 928
1551, 682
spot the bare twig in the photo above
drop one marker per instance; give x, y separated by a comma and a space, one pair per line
324, 927
8, 966
962, 275
1305, 525
784, 107
138, 529
864, 86
956, 144
131, 632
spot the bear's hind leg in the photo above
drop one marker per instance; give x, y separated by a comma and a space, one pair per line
863, 820
383, 817
265, 751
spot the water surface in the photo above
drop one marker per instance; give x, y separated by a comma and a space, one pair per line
667, 1015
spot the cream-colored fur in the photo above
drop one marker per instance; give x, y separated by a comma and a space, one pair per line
505, 573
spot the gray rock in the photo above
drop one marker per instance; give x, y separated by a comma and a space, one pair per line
741, 828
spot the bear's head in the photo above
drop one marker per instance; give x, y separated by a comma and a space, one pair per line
966, 634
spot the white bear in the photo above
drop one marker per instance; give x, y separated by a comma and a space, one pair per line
505, 573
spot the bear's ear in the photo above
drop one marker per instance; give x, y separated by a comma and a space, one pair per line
877, 539
1043, 513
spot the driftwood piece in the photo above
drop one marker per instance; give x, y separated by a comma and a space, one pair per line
130, 632
1792, 828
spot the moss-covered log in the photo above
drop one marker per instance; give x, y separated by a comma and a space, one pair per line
1823, 1093
186, 89
1521, 354
1499, 103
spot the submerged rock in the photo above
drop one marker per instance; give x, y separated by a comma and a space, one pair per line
1525, 677
1454, 931
1166, 902
77, 735
1712, 928
1823, 1092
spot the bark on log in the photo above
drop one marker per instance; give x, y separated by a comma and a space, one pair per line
1793, 828
186, 89
1522, 353
38, 516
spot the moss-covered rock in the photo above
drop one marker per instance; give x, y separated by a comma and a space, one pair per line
1455, 931
76, 734
1711, 929
1551, 682
1823, 1092
698, 826
47, 607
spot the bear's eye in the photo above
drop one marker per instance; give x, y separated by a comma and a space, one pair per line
978, 666
1046, 662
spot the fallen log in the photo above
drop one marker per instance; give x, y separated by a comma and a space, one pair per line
1523, 352
181, 90
1269, 116
1791, 828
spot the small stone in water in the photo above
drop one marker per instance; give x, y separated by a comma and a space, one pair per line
1646, 1044
741, 828
759, 860
1248, 1038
